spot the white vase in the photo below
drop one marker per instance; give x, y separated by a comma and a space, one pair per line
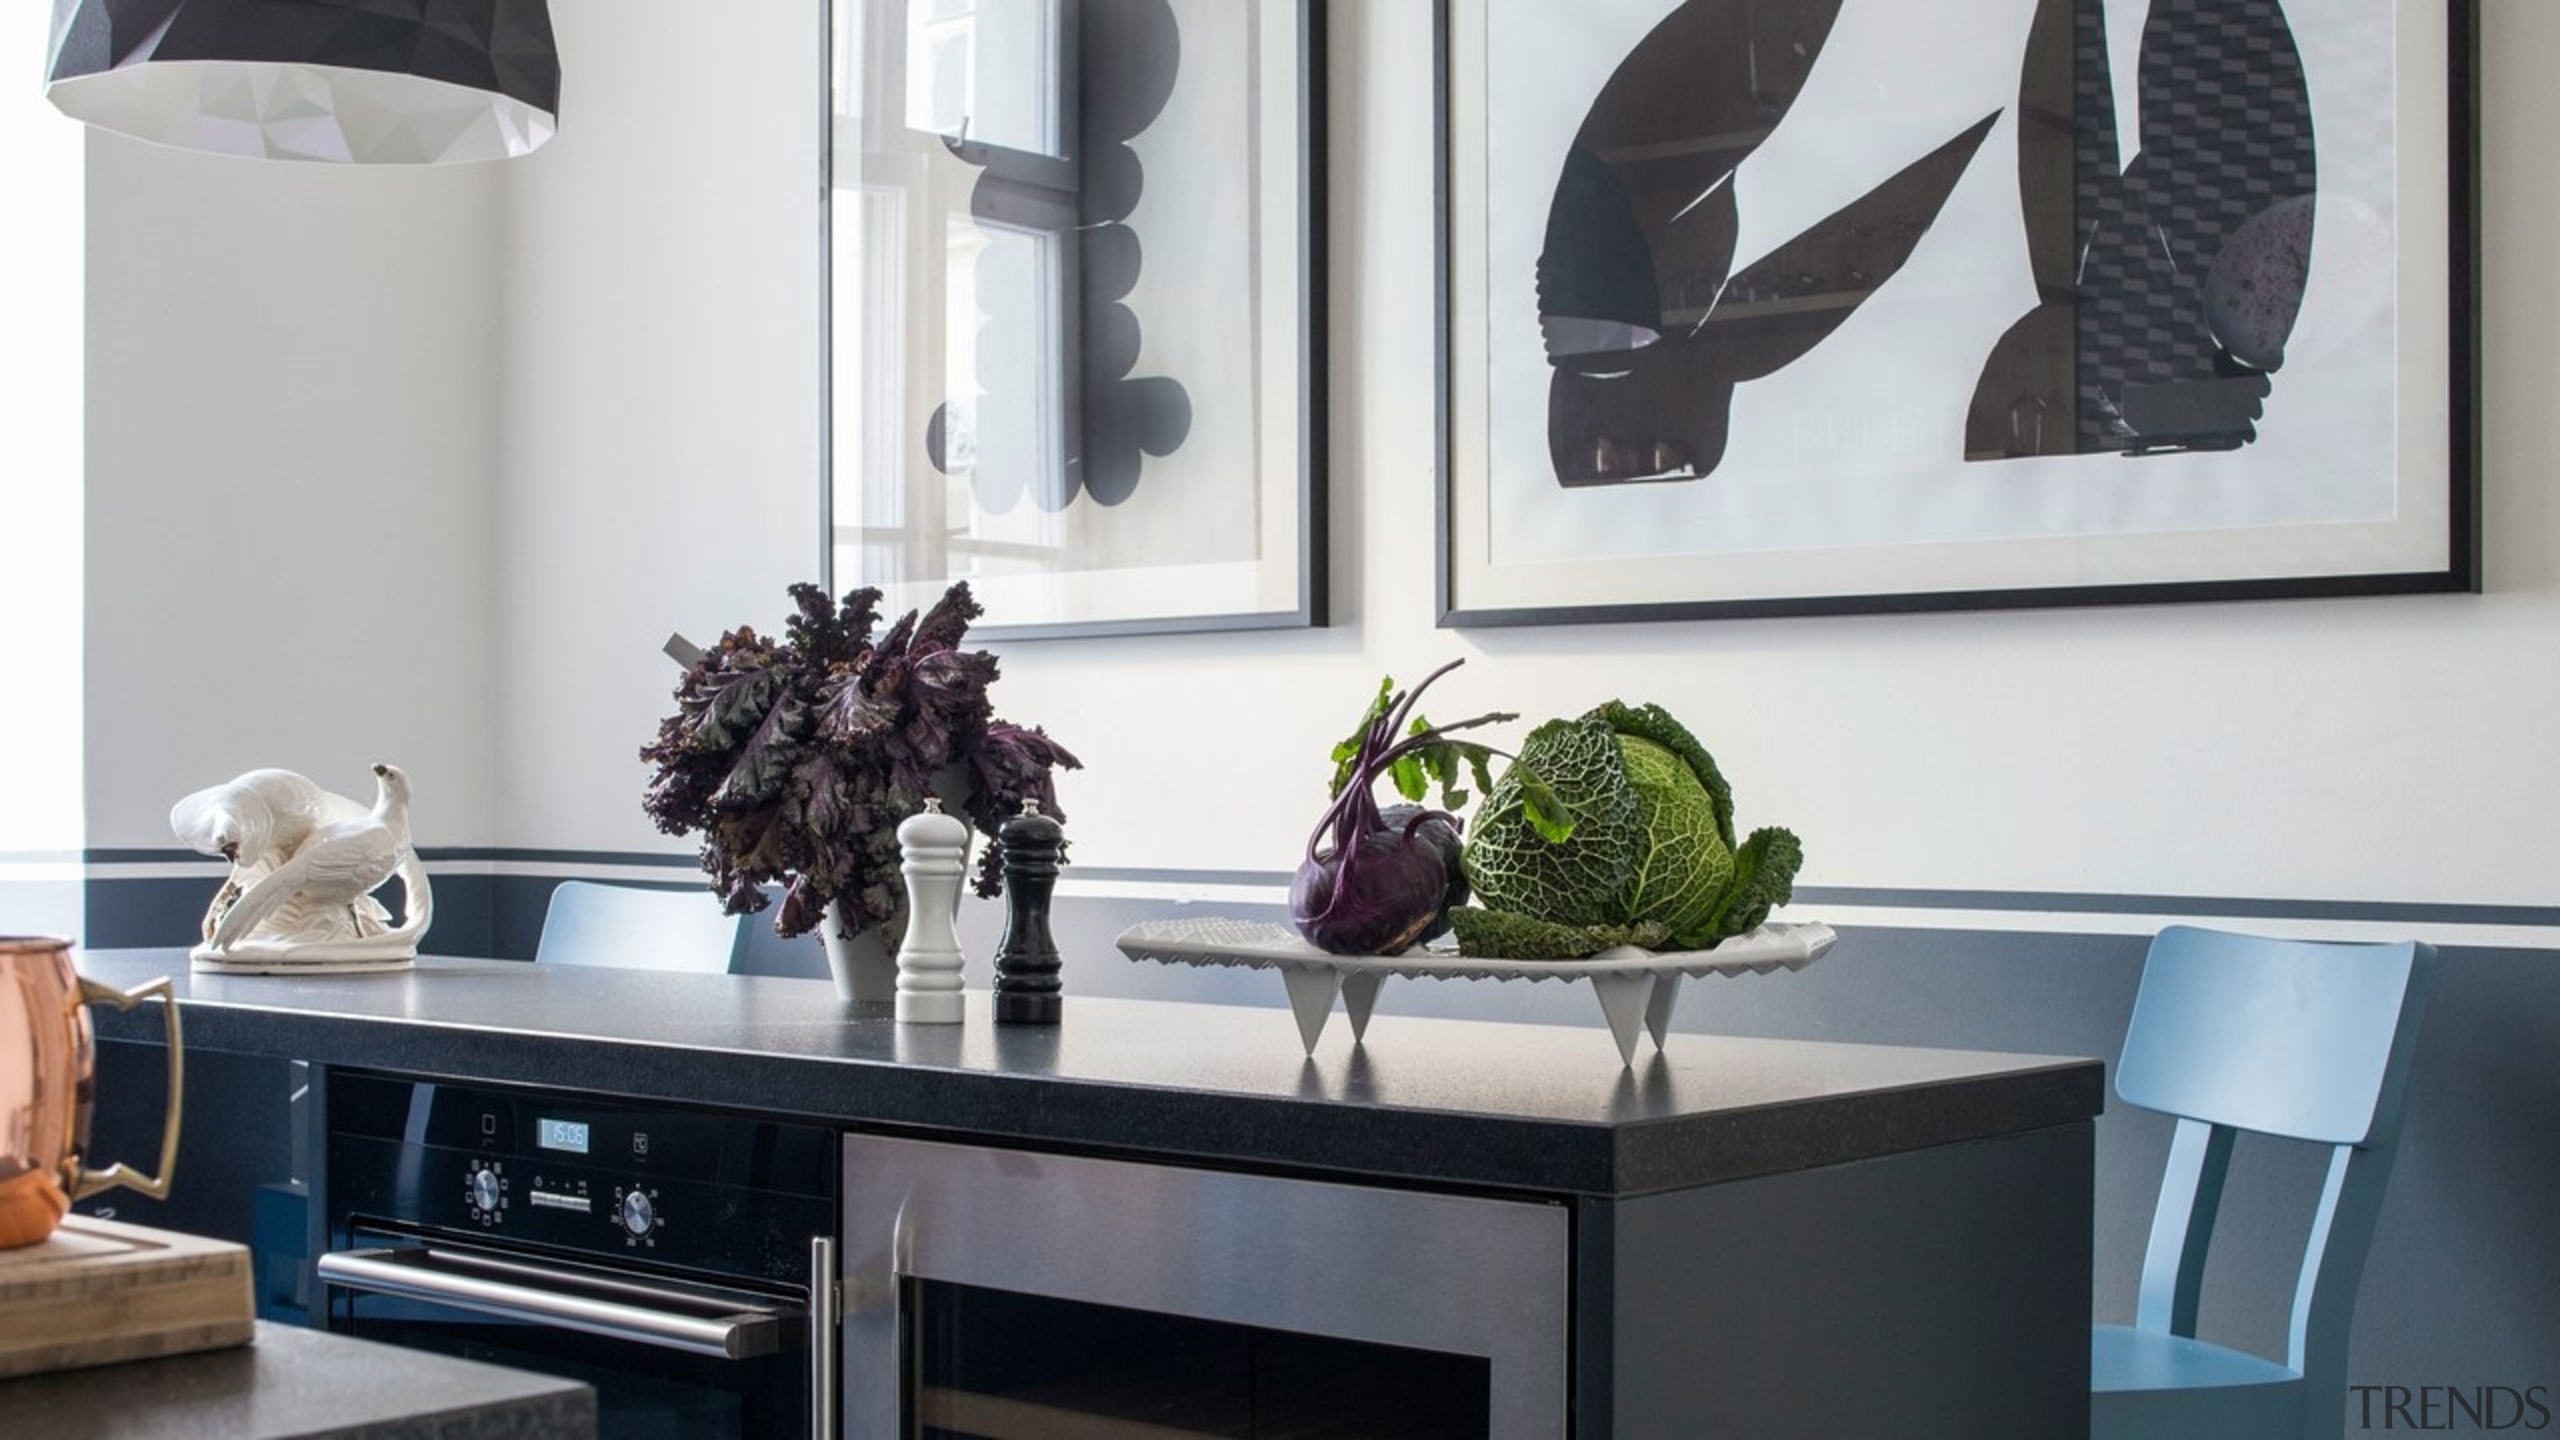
862, 964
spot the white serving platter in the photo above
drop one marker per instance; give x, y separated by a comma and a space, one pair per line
1637, 988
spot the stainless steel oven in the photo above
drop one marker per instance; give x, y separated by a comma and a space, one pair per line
681, 1262
1013, 1295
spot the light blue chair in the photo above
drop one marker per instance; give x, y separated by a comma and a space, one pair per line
630, 928
2293, 1038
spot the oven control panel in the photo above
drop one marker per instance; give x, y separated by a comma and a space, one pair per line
485, 1191
636, 1211
604, 1177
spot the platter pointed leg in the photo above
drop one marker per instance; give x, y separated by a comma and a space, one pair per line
1360, 1000
1311, 992
1657, 1011
1623, 999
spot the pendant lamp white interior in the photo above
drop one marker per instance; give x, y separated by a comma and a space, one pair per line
400, 82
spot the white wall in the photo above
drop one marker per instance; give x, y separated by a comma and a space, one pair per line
659, 342
40, 820
291, 388
359, 490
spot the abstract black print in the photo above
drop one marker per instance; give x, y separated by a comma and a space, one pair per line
1647, 325
2171, 250
1764, 307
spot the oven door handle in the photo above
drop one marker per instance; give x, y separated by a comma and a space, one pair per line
826, 1319
446, 1278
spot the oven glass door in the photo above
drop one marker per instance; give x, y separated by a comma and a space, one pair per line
997, 1365
644, 1388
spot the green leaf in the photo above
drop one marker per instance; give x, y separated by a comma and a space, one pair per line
1412, 780
1686, 866
1652, 722
1545, 810
1348, 752
1444, 763
1511, 861
1412, 774
1764, 876
1452, 762
1501, 935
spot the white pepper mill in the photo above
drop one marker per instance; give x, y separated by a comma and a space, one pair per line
933, 854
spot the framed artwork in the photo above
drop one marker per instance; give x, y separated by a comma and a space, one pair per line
1772, 307
1074, 303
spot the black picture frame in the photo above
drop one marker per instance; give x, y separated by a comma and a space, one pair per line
1297, 563
1469, 595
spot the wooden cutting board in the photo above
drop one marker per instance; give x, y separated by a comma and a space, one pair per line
98, 1291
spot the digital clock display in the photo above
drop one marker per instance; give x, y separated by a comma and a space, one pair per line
569, 1135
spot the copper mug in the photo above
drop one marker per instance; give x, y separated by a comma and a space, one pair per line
48, 1080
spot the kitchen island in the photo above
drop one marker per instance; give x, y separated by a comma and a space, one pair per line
1752, 1222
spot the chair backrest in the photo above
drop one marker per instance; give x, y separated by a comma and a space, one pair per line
2303, 1039
637, 929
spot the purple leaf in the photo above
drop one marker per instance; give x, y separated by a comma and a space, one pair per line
948, 622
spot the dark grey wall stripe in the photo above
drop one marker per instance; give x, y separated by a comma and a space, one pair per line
498, 916
1269, 879
140, 857
2071, 903
2033, 901
649, 858
173, 856
169, 910
2057, 902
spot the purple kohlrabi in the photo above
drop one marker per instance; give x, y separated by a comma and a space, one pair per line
1375, 882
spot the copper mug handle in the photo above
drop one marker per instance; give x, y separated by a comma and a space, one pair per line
86, 1182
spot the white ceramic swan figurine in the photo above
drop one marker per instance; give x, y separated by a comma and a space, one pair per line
305, 865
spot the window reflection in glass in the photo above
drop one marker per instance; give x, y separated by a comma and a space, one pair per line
1053, 329
985, 70
929, 285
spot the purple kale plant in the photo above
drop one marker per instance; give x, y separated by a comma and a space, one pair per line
797, 758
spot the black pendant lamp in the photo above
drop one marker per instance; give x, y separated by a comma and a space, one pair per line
397, 82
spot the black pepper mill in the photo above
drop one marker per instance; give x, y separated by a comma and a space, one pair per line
1032, 846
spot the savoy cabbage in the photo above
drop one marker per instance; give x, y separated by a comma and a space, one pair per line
1650, 860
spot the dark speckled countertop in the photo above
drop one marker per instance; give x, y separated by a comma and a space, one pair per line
1472, 1103
296, 1382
